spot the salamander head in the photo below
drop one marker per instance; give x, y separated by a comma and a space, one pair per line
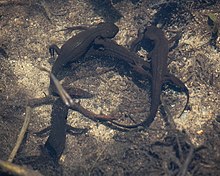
153, 33
109, 30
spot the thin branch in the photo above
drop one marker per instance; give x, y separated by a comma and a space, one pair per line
21, 135
17, 170
13, 2
187, 162
72, 104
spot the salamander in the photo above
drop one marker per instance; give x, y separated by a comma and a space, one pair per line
159, 75
158, 56
78, 45
55, 143
159, 72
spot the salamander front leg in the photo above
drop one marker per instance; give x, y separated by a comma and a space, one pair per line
74, 28
54, 48
135, 44
69, 129
74, 131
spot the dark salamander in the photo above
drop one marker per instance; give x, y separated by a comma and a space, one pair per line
55, 144
75, 48
159, 72
158, 56
56, 141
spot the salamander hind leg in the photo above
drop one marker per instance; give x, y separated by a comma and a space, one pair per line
73, 131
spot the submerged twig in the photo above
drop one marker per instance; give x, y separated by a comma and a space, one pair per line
72, 104
13, 2
76, 105
17, 170
97, 159
187, 162
21, 135
62, 92
33, 102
